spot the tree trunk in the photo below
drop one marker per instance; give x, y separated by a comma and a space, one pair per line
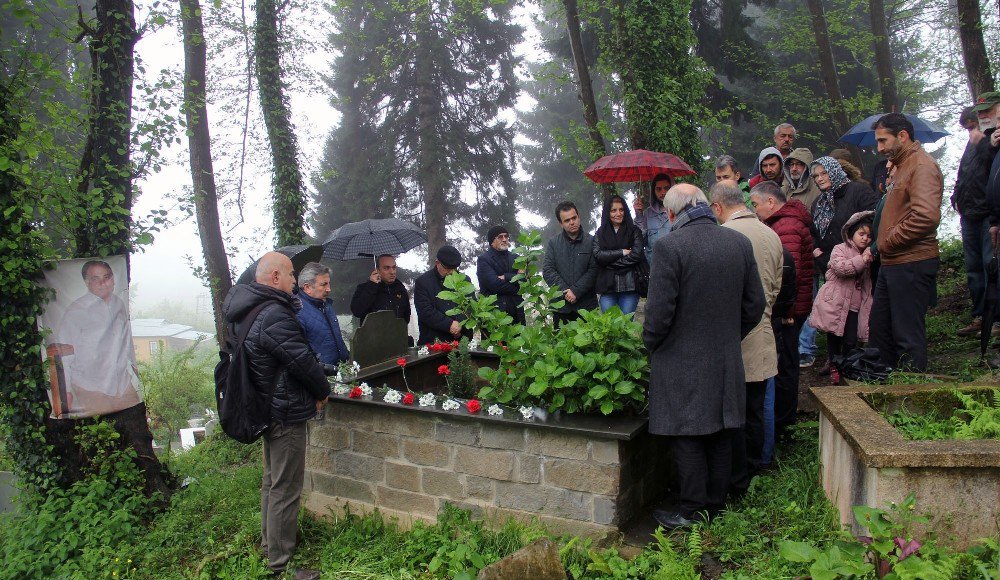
202, 173
600, 148
111, 48
883, 57
429, 176
977, 63
289, 194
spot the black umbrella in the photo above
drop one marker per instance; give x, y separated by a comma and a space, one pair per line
373, 237
299, 254
989, 305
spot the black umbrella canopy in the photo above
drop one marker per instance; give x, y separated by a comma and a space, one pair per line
372, 237
299, 254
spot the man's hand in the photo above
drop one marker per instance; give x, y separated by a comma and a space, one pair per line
995, 234
321, 403
788, 321
374, 276
570, 297
501, 277
626, 251
638, 205
455, 329
817, 253
995, 138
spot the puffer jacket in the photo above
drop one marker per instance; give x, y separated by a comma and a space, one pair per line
615, 271
322, 329
281, 361
792, 223
852, 197
848, 276
907, 230
805, 189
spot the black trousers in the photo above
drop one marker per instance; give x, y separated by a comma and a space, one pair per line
838, 346
703, 466
903, 293
786, 383
748, 442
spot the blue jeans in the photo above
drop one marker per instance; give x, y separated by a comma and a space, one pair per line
807, 336
626, 301
767, 454
978, 252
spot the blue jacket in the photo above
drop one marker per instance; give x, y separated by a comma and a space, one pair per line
322, 330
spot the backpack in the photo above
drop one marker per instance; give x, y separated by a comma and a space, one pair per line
244, 412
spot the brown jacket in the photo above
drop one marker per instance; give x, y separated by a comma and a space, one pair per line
908, 228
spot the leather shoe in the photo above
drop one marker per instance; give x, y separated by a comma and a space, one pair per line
305, 574
972, 329
671, 520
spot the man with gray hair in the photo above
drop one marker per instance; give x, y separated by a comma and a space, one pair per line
704, 297
784, 138
319, 321
760, 356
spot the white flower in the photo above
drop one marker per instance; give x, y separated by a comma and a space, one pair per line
427, 400
423, 351
527, 412
355, 366
342, 389
448, 405
495, 410
489, 348
474, 344
392, 396
366, 391
339, 378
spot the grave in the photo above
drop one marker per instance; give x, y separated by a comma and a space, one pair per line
866, 461
381, 337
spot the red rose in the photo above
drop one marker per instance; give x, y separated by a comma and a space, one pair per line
408, 399
444, 370
432, 347
454, 344
401, 361
508, 371
355, 393
473, 406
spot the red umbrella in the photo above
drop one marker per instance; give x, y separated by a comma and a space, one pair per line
636, 165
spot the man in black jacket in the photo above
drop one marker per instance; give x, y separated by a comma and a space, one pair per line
284, 367
382, 291
570, 266
495, 270
432, 320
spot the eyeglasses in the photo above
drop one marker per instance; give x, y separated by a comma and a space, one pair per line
503, 237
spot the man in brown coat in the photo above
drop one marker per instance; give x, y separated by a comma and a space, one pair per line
906, 239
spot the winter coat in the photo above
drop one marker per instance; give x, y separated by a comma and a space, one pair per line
792, 223
993, 182
494, 263
805, 190
570, 264
371, 297
767, 152
907, 230
760, 358
970, 185
848, 276
322, 329
848, 200
785, 301
617, 272
432, 321
654, 222
704, 297
281, 362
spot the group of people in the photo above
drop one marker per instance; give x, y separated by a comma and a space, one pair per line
806, 245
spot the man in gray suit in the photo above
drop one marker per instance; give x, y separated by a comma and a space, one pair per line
704, 296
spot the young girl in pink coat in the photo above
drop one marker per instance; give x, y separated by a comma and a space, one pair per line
844, 303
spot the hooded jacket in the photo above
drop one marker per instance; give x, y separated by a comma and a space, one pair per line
848, 199
848, 276
764, 153
804, 189
792, 223
907, 230
281, 362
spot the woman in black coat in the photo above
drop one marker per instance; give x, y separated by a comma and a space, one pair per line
840, 199
618, 249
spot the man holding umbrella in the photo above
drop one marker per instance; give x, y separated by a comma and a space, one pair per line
382, 291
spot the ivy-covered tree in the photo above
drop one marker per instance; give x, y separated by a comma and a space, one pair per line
439, 75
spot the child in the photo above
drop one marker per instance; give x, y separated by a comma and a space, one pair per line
843, 304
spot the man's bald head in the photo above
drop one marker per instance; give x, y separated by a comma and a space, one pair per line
682, 196
274, 269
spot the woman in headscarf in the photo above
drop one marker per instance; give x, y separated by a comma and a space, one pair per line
618, 249
840, 198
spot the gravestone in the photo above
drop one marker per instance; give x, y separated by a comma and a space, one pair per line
381, 337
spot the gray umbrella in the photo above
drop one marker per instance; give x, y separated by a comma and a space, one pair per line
373, 237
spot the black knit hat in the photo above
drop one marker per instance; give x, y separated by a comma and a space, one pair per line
449, 257
494, 232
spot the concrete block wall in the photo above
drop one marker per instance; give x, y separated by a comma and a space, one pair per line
409, 463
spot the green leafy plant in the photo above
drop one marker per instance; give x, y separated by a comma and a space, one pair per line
976, 417
461, 375
176, 386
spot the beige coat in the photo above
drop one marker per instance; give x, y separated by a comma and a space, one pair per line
760, 357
